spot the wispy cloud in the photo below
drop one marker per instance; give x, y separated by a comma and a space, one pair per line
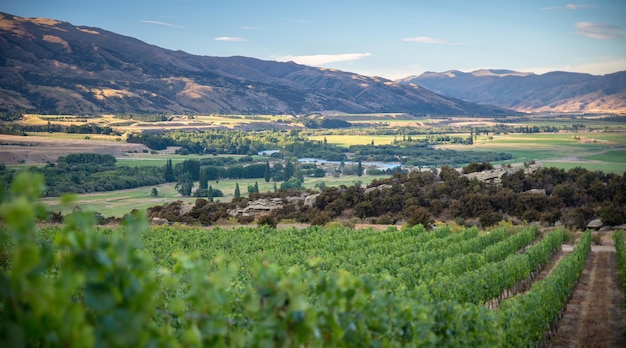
577, 6
163, 24
596, 68
600, 30
568, 7
320, 59
430, 40
231, 39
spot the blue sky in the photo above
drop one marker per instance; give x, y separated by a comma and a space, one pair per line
388, 38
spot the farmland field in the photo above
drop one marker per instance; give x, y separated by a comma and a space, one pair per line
313, 286
118, 203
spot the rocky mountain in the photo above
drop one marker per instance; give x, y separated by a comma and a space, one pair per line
528, 92
52, 66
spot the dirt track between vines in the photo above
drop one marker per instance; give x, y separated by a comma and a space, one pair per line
595, 315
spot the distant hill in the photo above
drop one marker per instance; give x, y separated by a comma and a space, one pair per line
528, 92
52, 66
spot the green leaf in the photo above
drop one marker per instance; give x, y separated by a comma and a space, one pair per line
99, 297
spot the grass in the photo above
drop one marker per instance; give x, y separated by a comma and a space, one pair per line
617, 168
161, 159
74, 136
610, 156
118, 203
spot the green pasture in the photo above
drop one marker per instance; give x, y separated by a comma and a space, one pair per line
118, 203
590, 150
617, 168
147, 160
609, 156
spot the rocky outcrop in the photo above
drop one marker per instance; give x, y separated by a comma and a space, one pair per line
265, 206
596, 223
159, 221
541, 192
309, 201
378, 188
493, 176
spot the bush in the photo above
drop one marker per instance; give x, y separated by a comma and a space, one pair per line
266, 220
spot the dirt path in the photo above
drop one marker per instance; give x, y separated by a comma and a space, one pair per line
595, 316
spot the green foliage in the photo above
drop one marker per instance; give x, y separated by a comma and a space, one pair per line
620, 256
237, 193
75, 285
526, 317
168, 173
81, 288
154, 192
477, 167
184, 186
88, 158
266, 220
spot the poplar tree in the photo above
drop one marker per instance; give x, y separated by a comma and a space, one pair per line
268, 172
169, 171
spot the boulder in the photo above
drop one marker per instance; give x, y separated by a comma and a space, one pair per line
596, 223
379, 187
159, 221
309, 201
490, 176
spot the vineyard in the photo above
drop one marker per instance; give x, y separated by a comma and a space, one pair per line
75, 285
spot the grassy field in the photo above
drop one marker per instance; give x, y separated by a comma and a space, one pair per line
118, 203
57, 135
145, 160
561, 150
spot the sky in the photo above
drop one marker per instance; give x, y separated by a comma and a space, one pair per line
387, 38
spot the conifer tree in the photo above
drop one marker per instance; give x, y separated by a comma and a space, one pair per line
169, 171
237, 191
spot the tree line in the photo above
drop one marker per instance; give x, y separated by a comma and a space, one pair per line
571, 197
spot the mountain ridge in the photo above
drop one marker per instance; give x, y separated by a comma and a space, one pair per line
555, 91
52, 66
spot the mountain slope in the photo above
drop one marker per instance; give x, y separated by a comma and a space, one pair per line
52, 66
527, 92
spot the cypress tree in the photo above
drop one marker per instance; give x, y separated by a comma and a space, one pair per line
237, 192
169, 171
268, 172
203, 179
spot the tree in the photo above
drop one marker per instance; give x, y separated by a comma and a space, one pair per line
184, 185
256, 187
237, 191
203, 179
268, 171
154, 192
289, 170
359, 169
169, 171
210, 194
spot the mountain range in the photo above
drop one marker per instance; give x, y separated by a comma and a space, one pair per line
49, 66
52, 66
527, 92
